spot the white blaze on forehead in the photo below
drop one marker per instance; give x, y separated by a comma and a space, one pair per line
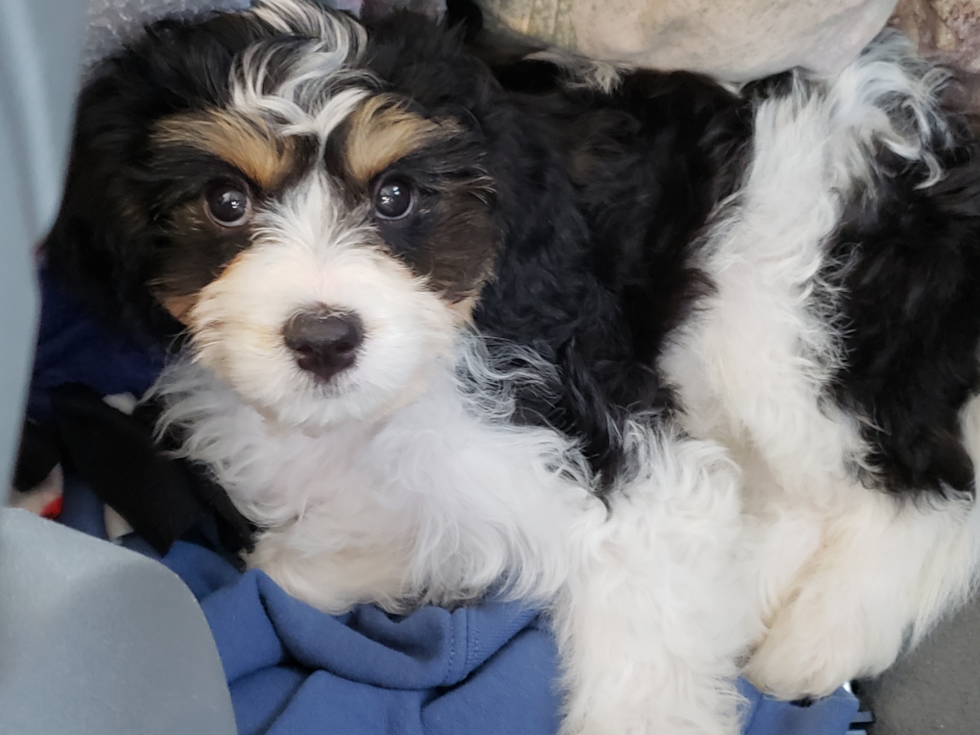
303, 88
296, 109
313, 216
309, 21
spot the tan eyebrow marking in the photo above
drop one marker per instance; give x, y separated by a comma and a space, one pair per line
380, 132
246, 143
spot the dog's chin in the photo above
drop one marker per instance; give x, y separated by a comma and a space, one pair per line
302, 403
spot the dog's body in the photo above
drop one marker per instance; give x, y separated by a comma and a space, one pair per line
663, 277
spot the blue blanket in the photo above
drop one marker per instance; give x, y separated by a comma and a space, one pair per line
488, 669
292, 669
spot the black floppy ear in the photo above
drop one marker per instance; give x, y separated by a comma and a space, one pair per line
106, 239
101, 243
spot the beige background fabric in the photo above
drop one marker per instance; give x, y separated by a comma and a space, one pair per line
735, 40
950, 28
950, 31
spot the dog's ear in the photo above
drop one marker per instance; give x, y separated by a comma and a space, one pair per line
105, 240
430, 63
464, 14
102, 242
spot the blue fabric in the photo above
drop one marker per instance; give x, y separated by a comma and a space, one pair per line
487, 669
81, 508
72, 347
766, 716
292, 669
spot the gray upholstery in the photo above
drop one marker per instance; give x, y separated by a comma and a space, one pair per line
936, 688
39, 46
98, 640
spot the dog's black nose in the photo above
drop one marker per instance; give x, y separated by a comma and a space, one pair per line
325, 342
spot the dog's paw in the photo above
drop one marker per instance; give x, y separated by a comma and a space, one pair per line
818, 642
644, 710
641, 722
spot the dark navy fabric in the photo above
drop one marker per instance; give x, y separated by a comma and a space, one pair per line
72, 347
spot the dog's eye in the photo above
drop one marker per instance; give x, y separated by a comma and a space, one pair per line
228, 204
394, 199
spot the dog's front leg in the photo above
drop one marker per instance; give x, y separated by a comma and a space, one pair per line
885, 572
656, 612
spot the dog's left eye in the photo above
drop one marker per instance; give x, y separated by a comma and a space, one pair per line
228, 204
394, 199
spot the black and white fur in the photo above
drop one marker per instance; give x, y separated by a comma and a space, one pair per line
694, 368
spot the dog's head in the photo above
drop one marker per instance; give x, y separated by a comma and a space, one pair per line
309, 202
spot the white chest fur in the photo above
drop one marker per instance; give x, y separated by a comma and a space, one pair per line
429, 504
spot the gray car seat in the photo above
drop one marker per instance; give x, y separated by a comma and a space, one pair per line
94, 639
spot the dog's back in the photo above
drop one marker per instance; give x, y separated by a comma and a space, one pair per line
793, 272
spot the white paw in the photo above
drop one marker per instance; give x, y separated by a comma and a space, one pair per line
818, 641
636, 722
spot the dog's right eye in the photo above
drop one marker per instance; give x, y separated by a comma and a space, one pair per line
394, 199
228, 204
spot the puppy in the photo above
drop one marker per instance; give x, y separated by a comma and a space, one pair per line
693, 368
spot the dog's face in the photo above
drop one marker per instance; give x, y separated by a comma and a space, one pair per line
319, 232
